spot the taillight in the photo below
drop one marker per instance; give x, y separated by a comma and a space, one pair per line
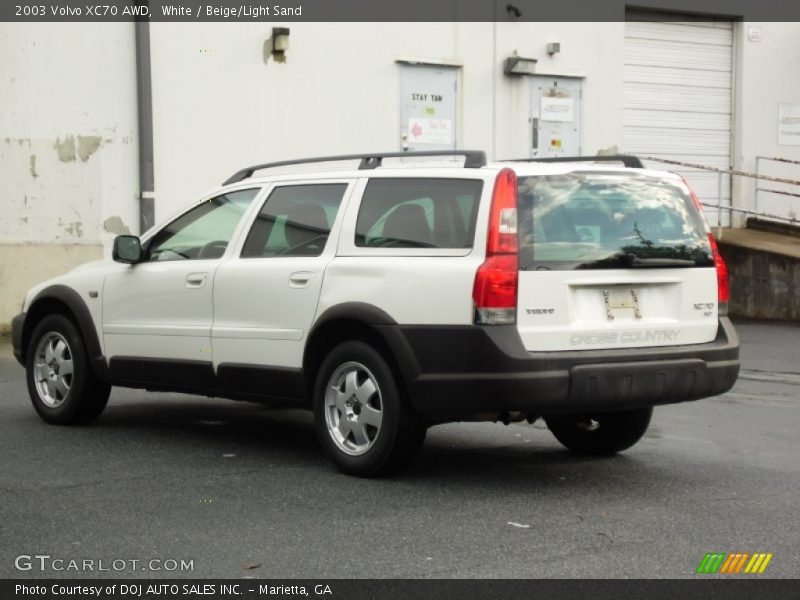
697, 204
723, 285
502, 237
494, 292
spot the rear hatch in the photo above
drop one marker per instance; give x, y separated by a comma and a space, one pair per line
612, 259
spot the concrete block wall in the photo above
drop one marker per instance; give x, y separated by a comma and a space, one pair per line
764, 285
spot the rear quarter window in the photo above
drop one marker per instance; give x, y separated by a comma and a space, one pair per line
418, 213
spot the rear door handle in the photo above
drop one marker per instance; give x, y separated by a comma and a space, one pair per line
300, 279
196, 280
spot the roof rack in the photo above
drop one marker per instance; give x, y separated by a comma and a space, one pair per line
473, 159
631, 162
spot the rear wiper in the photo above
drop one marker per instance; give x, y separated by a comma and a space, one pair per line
628, 259
636, 261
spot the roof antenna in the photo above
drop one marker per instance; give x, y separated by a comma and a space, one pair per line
513, 10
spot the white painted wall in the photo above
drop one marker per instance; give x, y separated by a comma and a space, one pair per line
220, 103
767, 75
218, 106
593, 50
68, 153
72, 87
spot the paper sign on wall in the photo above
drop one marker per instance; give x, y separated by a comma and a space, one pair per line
430, 131
789, 124
557, 109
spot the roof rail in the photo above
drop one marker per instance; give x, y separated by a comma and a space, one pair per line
473, 159
631, 162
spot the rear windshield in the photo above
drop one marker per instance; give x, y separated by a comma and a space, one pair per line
589, 220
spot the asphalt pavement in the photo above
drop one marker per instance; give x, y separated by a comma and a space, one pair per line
242, 491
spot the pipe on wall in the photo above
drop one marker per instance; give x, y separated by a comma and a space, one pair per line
145, 120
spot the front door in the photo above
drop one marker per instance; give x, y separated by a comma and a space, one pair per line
160, 310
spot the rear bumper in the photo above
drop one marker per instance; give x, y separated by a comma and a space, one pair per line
16, 337
464, 371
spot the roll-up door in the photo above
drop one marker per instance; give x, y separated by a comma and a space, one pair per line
677, 99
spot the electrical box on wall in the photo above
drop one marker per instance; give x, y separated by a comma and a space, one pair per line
555, 116
428, 107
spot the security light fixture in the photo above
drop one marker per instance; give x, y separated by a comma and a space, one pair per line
280, 39
517, 65
553, 48
513, 10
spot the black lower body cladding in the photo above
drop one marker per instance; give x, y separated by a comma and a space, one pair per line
466, 370
16, 337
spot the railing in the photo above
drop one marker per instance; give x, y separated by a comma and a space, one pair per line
757, 176
759, 161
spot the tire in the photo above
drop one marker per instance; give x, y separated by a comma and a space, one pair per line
62, 385
600, 433
363, 422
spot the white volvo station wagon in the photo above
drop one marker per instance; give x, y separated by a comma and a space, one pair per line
413, 290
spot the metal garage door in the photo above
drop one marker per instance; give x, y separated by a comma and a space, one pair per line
677, 99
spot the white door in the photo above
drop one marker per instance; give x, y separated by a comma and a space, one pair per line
266, 296
162, 307
678, 100
428, 107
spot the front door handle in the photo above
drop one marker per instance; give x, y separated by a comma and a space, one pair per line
300, 279
196, 280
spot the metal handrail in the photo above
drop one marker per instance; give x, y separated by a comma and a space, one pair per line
724, 171
751, 212
779, 159
730, 172
768, 190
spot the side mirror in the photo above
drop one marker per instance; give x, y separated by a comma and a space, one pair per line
127, 249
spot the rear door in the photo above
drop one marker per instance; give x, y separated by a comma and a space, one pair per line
266, 296
613, 259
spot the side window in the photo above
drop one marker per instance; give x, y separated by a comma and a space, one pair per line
204, 231
294, 221
418, 213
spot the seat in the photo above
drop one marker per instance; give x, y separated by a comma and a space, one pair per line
557, 226
407, 225
213, 249
306, 229
592, 225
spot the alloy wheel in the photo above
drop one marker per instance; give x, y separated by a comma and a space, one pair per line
353, 408
53, 369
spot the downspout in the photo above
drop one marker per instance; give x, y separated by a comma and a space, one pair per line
494, 80
145, 113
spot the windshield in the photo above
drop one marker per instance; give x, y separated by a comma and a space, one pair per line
591, 220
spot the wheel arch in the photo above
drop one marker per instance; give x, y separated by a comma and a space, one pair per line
358, 321
60, 299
